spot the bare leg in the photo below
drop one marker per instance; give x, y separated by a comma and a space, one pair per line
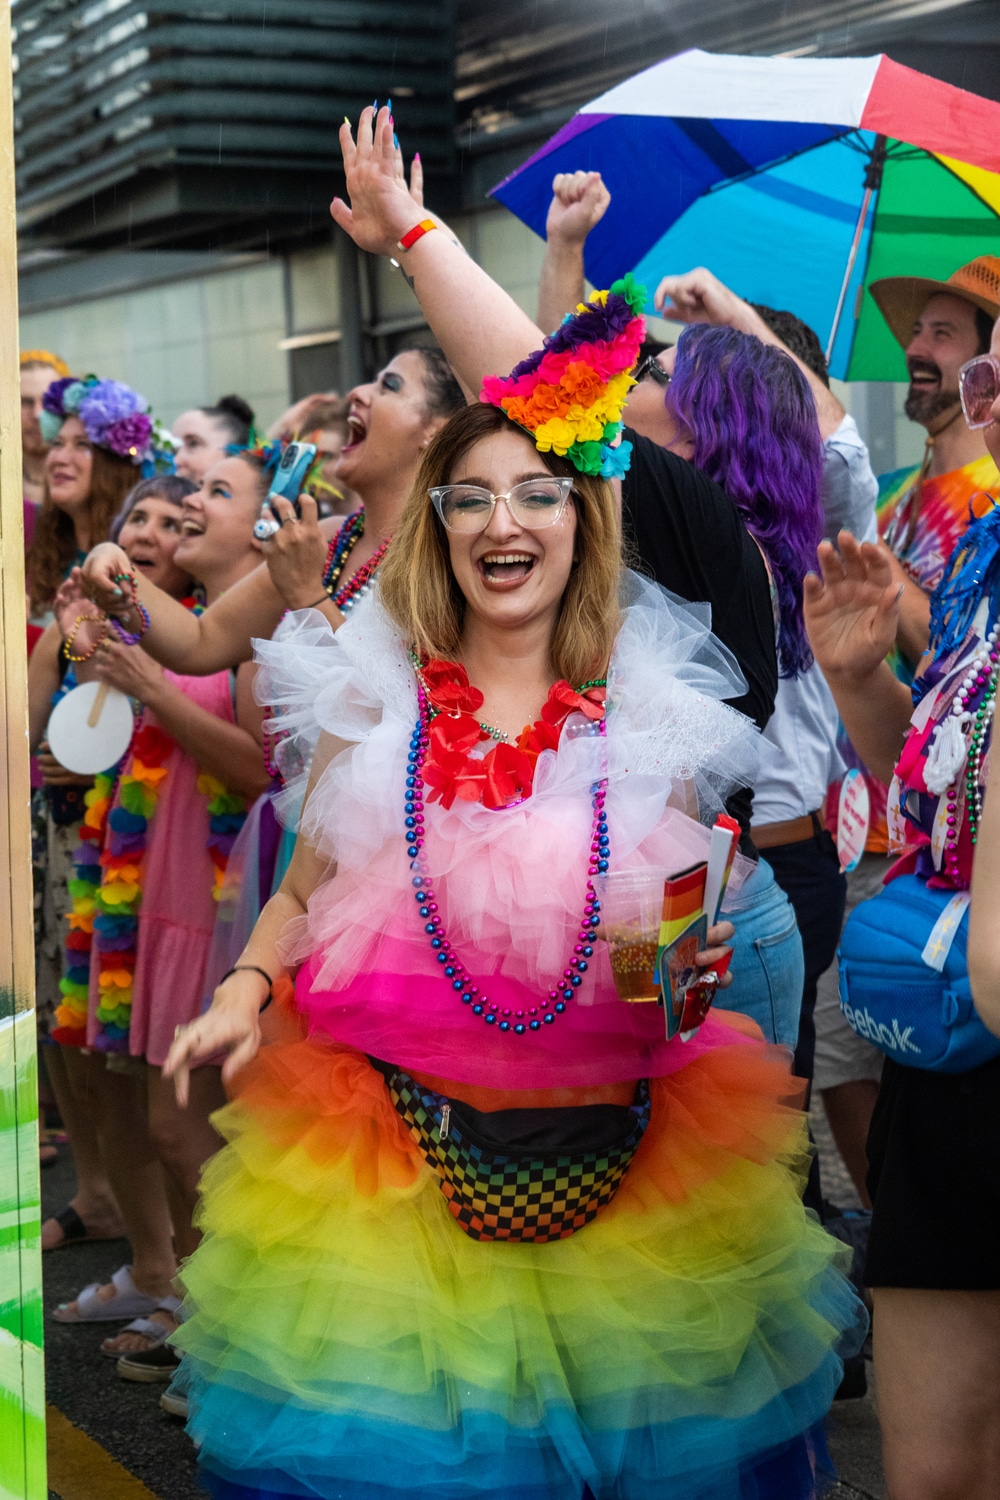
849, 1109
137, 1179
185, 1140
75, 1077
937, 1369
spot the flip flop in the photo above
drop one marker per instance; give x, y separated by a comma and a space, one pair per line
75, 1231
127, 1302
157, 1333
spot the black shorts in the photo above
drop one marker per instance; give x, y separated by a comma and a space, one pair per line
934, 1180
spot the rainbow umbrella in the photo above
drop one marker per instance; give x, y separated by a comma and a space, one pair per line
798, 181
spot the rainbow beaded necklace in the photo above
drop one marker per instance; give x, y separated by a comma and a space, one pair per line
340, 549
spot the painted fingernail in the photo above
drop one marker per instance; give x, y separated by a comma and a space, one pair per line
375, 106
388, 105
416, 156
346, 120
395, 140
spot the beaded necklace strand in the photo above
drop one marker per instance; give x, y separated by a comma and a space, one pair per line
513, 1022
980, 679
340, 549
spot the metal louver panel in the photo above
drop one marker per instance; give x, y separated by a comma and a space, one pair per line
114, 97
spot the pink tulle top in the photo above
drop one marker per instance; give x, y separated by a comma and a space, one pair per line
511, 883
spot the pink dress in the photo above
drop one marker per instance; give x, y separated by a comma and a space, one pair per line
177, 915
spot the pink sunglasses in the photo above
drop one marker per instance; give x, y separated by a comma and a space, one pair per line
979, 387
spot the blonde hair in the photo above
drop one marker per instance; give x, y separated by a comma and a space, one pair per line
419, 589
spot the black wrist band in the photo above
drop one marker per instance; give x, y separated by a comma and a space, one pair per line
324, 598
253, 969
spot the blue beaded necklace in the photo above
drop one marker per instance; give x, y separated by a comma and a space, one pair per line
512, 1021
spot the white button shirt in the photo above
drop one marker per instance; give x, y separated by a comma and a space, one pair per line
798, 749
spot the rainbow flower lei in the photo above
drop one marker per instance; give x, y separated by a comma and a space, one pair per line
569, 394
107, 889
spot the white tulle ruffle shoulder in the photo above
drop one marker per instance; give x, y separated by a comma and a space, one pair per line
512, 882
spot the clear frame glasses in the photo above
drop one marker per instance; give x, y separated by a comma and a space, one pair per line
979, 387
533, 504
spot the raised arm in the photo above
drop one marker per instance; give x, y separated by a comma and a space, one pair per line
850, 615
579, 201
197, 645
480, 328
700, 297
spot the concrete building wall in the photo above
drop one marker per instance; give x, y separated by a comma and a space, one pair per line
181, 344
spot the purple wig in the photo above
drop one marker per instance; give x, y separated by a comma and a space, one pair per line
751, 414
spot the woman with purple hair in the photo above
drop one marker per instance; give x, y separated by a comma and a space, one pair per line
742, 412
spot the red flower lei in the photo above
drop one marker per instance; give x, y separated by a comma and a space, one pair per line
504, 775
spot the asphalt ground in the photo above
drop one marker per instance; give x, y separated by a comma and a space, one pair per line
110, 1440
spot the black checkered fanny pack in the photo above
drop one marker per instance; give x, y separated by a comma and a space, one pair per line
521, 1174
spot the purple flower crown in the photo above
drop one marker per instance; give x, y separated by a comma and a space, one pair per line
114, 417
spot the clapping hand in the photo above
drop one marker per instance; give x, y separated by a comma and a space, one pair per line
851, 608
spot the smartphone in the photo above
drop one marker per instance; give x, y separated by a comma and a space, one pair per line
289, 477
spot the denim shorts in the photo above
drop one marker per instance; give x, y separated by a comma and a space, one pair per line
768, 967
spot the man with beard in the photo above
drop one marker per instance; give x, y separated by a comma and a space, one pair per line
923, 511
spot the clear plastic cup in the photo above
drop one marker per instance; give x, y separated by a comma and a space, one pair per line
631, 910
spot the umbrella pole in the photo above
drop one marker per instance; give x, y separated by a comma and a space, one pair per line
873, 181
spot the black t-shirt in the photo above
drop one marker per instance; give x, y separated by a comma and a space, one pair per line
684, 531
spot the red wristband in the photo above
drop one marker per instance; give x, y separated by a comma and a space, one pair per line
416, 233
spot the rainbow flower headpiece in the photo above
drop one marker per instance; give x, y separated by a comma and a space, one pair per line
569, 394
114, 417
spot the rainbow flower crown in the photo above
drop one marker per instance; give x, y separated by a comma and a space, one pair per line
569, 394
114, 417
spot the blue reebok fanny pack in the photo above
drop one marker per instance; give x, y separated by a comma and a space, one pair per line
904, 978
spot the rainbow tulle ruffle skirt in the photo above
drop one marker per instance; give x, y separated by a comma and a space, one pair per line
346, 1341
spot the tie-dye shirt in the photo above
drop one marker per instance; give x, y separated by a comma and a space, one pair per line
923, 529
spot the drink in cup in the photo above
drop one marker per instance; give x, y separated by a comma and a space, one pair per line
631, 909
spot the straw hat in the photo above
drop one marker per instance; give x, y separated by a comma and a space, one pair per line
901, 299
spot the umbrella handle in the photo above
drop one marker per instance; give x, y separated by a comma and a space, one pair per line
873, 181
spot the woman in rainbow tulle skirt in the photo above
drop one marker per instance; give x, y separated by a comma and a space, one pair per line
480, 1230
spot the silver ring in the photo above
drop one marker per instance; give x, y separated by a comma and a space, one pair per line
289, 520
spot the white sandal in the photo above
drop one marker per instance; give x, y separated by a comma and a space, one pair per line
127, 1302
155, 1332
